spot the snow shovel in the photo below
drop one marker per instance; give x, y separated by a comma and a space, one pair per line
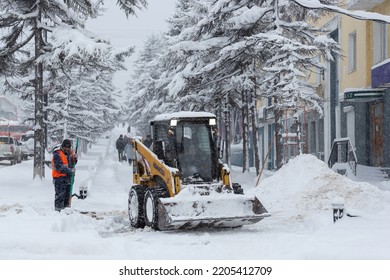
72, 177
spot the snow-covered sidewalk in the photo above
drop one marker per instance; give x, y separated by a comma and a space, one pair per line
31, 229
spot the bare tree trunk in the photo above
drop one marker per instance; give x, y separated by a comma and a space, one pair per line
39, 137
227, 131
65, 136
45, 105
255, 130
219, 113
278, 135
45, 98
245, 126
220, 117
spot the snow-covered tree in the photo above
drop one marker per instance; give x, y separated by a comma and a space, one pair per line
294, 43
233, 48
25, 21
81, 101
186, 55
228, 52
144, 99
159, 70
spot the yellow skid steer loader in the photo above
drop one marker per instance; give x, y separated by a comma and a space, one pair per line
179, 182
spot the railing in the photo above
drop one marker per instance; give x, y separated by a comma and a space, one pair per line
343, 151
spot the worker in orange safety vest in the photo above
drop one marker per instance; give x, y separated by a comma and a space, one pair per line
63, 162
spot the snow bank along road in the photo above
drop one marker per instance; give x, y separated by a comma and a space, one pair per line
298, 197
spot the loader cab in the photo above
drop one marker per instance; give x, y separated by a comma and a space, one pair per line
185, 141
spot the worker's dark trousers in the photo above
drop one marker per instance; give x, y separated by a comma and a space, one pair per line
62, 193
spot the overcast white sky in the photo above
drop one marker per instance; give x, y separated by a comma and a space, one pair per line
123, 32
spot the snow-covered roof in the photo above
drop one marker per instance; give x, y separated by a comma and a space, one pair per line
183, 114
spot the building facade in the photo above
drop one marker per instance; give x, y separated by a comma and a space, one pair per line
364, 101
355, 88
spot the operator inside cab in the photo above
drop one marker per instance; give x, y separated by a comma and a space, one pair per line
171, 149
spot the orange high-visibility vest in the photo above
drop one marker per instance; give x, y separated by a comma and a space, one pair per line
55, 173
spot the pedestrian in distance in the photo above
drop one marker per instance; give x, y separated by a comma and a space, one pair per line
63, 162
120, 146
125, 140
129, 151
148, 141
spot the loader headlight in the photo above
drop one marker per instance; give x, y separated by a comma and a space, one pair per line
173, 122
212, 122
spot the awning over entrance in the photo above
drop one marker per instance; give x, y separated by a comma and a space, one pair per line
363, 95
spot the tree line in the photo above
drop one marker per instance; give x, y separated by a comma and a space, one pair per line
62, 71
222, 55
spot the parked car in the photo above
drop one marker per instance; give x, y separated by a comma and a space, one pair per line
10, 149
27, 144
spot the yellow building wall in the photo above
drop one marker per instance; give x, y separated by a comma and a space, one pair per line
384, 9
359, 77
365, 49
312, 76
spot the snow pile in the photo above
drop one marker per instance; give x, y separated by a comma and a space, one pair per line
307, 184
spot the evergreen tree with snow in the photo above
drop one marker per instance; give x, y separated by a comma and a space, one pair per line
145, 98
81, 66
231, 50
159, 69
24, 21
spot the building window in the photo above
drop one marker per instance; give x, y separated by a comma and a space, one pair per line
352, 52
269, 101
380, 42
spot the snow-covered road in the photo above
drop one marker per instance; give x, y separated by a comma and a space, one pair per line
300, 227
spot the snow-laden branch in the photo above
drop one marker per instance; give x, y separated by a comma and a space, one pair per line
16, 47
360, 15
129, 6
248, 17
70, 43
14, 15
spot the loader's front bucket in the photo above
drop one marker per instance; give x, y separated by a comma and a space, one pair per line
218, 210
